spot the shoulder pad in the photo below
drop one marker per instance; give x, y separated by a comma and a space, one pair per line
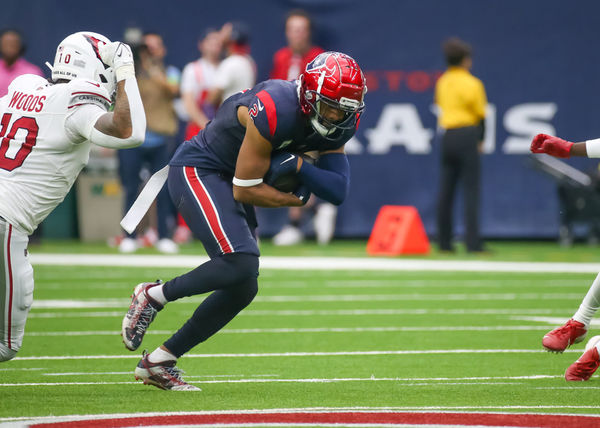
28, 81
83, 91
273, 112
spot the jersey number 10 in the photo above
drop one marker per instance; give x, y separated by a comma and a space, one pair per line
25, 123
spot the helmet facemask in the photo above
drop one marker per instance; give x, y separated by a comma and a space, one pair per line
350, 109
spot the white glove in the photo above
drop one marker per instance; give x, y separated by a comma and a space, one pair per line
118, 55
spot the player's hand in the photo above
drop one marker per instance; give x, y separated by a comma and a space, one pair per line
118, 55
303, 194
537, 142
554, 146
283, 163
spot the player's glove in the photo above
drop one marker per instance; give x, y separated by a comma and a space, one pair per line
118, 55
303, 194
554, 146
282, 164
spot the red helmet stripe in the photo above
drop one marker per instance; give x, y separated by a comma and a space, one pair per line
270, 110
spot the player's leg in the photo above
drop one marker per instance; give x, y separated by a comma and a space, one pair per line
16, 289
587, 364
165, 211
225, 228
130, 165
575, 329
590, 304
448, 179
471, 179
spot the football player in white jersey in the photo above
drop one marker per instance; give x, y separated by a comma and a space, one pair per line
46, 127
575, 329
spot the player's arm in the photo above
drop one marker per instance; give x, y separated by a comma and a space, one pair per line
196, 114
329, 178
557, 147
215, 96
252, 164
124, 127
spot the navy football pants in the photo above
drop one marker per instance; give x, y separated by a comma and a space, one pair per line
226, 229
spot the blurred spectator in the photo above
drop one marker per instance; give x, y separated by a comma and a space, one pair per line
237, 72
196, 81
198, 78
291, 60
159, 85
288, 63
12, 63
462, 101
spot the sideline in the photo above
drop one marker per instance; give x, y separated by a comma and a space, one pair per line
318, 263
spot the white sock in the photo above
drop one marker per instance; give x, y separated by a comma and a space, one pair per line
156, 293
590, 304
160, 354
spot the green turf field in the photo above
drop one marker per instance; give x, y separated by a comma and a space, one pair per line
338, 338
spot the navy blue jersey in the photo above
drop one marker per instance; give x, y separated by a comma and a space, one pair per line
274, 107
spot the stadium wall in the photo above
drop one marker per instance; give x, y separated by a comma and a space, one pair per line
538, 60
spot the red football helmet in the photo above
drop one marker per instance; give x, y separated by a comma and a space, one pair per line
335, 79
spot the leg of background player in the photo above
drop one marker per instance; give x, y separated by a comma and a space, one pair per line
590, 304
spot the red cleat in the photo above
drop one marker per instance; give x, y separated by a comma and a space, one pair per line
584, 367
562, 337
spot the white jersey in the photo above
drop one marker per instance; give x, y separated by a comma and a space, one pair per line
198, 78
43, 148
235, 73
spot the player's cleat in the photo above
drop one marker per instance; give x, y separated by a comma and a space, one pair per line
584, 367
564, 336
163, 375
141, 313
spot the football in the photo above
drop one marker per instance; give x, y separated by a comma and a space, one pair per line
288, 183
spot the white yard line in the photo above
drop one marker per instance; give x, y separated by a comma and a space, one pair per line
124, 303
316, 263
300, 354
331, 312
407, 381
308, 330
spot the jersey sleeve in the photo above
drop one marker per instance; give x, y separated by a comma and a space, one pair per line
82, 92
271, 116
87, 102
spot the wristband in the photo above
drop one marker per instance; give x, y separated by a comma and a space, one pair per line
592, 148
124, 71
246, 183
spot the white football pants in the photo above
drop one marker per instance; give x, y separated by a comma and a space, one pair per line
16, 289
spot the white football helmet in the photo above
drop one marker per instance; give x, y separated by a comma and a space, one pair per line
77, 56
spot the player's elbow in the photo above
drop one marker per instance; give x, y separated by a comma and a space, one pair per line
337, 195
338, 199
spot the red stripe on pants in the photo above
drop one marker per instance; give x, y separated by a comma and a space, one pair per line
210, 213
10, 285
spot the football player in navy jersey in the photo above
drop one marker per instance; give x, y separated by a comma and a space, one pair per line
216, 178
